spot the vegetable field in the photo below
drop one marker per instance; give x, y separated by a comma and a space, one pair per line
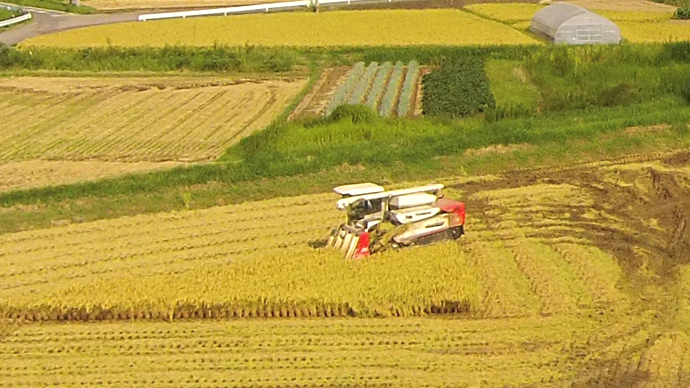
343, 28
539, 292
153, 119
389, 89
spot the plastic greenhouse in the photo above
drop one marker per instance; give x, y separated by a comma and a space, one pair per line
569, 24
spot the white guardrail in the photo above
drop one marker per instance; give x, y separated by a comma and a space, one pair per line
16, 20
241, 9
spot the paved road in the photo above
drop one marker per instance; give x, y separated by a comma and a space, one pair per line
47, 22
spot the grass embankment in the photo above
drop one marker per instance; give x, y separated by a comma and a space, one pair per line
512, 88
6, 14
218, 58
343, 28
56, 5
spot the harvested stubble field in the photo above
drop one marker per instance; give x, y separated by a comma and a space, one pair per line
134, 120
371, 28
39, 173
561, 281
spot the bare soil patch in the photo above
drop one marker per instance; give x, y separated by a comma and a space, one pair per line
314, 104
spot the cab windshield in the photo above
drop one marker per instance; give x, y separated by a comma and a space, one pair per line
362, 208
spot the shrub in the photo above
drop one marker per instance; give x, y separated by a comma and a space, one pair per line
682, 13
621, 94
353, 114
457, 89
169, 58
686, 92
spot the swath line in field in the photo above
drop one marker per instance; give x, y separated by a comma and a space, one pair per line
506, 289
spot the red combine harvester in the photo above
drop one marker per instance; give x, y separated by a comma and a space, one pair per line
378, 219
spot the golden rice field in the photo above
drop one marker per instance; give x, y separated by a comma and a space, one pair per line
669, 31
343, 28
520, 12
112, 5
133, 120
552, 286
624, 5
646, 26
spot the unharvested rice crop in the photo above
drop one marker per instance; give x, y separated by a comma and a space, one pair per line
153, 119
506, 13
638, 26
624, 5
343, 28
667, 31
517, 13
37, 173
255, 261
110, 5
629, 16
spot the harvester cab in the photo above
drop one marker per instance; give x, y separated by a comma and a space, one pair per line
378, 219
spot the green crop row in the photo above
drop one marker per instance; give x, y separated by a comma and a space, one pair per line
409, 86
388, 101
362, 84
381, 80
345, 89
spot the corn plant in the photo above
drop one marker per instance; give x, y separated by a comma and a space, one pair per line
376, 91
345, 89
388, 102
407, 92
362, 84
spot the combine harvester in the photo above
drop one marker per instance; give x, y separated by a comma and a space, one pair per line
378, 219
